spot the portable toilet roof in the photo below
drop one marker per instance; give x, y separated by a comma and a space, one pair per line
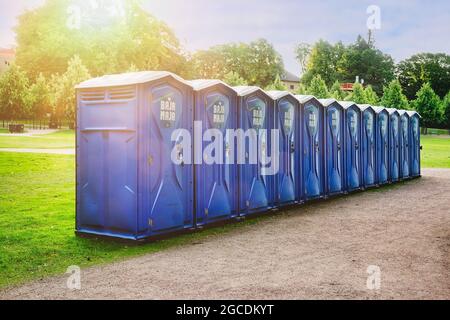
201, 84
412, 113
305, 98
392, 110
328, 102
347, 104
276, 95
378, 109
364, 107
402, 112
124, 79
246, 90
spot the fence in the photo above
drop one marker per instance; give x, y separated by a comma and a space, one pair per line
432, 131
37, 124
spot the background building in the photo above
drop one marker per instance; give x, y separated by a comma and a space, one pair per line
291, 81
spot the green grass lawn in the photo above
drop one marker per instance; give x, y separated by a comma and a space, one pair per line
37, 219
436, 151
58, 140
37, 214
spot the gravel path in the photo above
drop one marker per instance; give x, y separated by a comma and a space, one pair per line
321, 250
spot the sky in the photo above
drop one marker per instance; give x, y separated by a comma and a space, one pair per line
407, 26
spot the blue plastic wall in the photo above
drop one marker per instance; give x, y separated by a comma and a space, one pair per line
287, 115
415, 145
255, 112
394, 147
313, 180
405, 151
368, 148
216, 184
382, 151
127, 185
334, 142
353, 148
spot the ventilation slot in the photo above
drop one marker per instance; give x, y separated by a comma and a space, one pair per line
93, 96
125, 93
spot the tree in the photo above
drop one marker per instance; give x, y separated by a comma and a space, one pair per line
336, 91
364, 60
393, 96
302, 89
318, 88
323, 60
277, 85
358, 95
370, 96
428, 105
107, 43
446, 109
13, 94
302, 52
39, 95
233, 79
257, 62
65, 95
421, 68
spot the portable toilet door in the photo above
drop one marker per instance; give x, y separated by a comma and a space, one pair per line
394, 148
405, 152
216, 189
313, 180
127, 184
255, 119
382, 142
414, 143
368, 146
334, 145
287, 115
352, 146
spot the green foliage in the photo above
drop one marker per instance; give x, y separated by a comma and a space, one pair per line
302, 53
336, 91
421, 68
257, 63
14, 99
46, 42
393, 96
301, 89
318, 88
233, 79
428, 105
363, 60
65, 96
446, 110
277, 85
323, 60
370, 96
344, 63
358, 95
39, 98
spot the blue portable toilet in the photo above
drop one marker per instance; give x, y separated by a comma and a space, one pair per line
405, 151
334, 146
287, 116
394, 147
414, 143
127, 184
352, 130
216, 181
368, 152
255, 115
311, 126
382, 145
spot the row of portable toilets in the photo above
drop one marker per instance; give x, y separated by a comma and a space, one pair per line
129, 187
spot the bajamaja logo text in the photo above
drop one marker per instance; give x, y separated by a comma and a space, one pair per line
237, 146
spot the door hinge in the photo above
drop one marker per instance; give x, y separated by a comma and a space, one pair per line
150, 222
206, 212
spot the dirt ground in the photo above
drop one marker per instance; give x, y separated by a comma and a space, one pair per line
321, 250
